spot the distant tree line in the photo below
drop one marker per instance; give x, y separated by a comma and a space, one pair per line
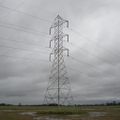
113, 103
4, 104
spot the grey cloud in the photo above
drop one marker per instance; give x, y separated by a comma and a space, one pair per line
96, 79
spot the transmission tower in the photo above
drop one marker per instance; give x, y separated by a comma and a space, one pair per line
58, 90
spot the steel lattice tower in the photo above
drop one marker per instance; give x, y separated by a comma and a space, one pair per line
58, 90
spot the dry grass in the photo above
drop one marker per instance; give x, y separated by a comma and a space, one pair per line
13, 116
71, 113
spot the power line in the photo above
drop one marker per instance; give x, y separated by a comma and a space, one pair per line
80, 61
20, 4
85, 63
96, 55
106, 50
19, 41
35, 17
5, 46
20, 25
74, 70
23, 27
23, 58
90, 65
102, 59
17, 29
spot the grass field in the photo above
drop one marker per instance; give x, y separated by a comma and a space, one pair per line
69, 113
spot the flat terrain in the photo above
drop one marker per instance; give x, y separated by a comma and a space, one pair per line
59, 113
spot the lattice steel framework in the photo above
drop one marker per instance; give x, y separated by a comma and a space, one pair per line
58, 90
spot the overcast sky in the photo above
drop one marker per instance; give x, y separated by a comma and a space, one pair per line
94, 44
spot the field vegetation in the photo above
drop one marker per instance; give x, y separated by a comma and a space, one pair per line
68, 112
